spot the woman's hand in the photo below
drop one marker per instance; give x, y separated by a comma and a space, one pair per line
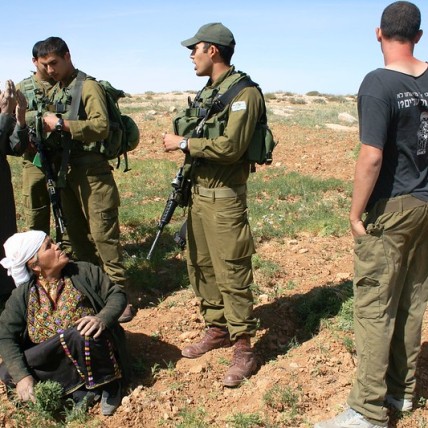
8, 98
24, 389
21, 108
90, 326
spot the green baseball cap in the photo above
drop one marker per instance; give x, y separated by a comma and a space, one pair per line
215, 33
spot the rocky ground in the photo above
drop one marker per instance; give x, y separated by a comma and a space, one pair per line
300, 379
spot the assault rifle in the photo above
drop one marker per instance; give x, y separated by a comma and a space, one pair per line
181, 185
54, 197
180, 195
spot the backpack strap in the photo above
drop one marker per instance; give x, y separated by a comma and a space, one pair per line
224, 100
76, 97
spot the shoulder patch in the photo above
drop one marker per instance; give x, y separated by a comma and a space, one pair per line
239, 105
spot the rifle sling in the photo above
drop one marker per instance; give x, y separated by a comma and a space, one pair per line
76, 97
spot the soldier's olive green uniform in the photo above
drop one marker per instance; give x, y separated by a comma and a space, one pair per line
220, 244
35, 195
90, 198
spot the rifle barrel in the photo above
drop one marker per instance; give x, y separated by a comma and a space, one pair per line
158, 234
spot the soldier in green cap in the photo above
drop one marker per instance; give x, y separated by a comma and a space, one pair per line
36, 198
90, 197
219, 240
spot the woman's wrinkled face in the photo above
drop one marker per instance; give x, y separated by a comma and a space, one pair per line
49, 257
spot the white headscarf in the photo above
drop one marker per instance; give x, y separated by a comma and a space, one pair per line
20, 248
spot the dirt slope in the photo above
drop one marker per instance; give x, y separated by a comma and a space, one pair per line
316, 372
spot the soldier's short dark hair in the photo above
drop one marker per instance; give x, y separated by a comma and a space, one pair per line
401, 21
226, 52
52, 45
35, 50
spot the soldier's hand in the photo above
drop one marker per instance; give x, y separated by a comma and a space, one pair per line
171, 141
8, 98
49, 122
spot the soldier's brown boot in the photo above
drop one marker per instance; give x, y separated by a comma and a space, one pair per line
244, 363
214, 338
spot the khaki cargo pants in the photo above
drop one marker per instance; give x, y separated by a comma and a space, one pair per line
219, 250
390, 297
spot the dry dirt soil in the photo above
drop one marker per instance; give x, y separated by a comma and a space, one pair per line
317, 372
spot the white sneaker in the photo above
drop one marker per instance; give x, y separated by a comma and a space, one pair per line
401, 404
347, 419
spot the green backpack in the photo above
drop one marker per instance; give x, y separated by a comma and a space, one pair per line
124, 134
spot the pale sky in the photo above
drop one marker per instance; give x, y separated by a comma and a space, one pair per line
285, 45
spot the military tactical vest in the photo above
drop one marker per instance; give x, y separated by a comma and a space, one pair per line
217, 99
186, 123
36, 93
61, 103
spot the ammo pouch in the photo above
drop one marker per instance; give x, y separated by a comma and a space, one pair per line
187, 122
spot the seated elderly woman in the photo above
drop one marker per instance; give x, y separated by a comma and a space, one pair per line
60, 323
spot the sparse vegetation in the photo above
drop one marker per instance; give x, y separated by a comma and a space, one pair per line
298, 211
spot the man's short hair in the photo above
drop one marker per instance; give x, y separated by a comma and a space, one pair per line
401, 21
52, 45
35, 50
226, 52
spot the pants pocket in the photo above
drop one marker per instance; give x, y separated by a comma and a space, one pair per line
371, 266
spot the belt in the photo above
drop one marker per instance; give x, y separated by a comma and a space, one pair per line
398, 204
219, 192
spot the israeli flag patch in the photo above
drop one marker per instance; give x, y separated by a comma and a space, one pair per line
239, 105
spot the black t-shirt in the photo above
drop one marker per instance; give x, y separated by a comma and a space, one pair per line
393, 113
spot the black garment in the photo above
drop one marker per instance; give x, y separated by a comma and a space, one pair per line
107, 299
13, 141
393, 111
84, 362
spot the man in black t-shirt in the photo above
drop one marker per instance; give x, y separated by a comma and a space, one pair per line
391, 242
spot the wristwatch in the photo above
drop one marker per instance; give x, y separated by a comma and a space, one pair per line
183, 144
60, 124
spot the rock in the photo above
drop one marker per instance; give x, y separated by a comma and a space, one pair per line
347, 118
199, 368
188, 335
341, 276
263, 298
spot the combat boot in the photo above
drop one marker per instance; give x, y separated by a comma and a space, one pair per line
244, 363
215, 337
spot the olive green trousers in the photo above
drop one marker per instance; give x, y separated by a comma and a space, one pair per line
91, 207
219, 250
390, 297
35, 198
